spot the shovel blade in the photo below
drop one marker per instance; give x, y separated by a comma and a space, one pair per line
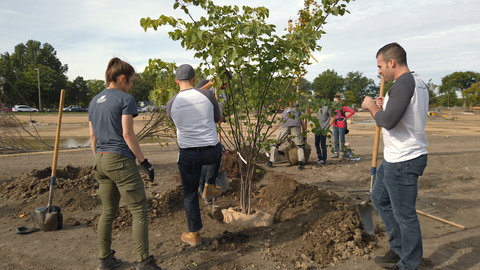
366, 217
222, 181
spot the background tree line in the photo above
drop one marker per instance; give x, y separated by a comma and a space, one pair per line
21, 69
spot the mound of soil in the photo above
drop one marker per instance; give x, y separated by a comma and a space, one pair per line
159, 204
311, 226
75, 189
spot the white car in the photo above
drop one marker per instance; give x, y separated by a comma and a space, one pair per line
23, 108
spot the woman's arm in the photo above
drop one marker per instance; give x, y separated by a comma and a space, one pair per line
130, 137
93, 140
350, 112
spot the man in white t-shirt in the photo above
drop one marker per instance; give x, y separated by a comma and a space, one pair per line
395, 190
195, 114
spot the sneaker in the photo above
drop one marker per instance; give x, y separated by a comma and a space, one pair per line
390, 259
109, 262
148, 264
270, 164
301, 165
320, 162
191, 238
335, 155
211, 191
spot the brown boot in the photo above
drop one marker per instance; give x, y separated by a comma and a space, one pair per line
192, 238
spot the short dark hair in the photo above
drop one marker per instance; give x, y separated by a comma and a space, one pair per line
117, 67
201, 83
393, 51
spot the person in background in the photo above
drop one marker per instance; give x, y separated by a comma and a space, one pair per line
115, 148
395, 190
291, 125
340, 127
323, 116
195, 114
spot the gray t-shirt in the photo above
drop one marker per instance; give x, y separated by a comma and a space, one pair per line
323, 116
105, 113
291, 118
400, 94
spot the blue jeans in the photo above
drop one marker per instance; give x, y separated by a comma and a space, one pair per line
394, 195
190, 162
321, 146
338, 133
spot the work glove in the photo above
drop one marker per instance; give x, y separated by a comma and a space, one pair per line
148, 169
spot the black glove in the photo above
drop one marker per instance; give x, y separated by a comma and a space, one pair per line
148, 168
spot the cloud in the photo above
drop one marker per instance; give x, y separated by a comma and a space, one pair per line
440, 36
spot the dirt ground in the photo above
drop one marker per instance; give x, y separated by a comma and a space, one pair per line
316, 225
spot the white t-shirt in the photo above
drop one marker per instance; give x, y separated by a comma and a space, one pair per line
195, 113
407, 140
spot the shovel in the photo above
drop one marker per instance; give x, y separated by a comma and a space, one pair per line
50, 218
365, 208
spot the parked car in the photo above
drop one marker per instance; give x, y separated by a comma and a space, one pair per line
74, 108
142, 109
23, 108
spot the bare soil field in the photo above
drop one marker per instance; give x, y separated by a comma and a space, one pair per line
316, 225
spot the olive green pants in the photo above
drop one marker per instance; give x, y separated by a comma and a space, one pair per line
118, 176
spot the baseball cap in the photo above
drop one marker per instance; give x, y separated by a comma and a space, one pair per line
184, 72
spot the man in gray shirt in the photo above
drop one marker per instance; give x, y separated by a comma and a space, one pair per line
323, 116
195, 114
403, 120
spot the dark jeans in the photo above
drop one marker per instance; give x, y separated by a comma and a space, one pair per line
394, 195
321, 146
190, 162
209, 174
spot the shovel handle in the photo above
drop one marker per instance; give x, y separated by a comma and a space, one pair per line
377, 135
57, 136
441, 220
55, 151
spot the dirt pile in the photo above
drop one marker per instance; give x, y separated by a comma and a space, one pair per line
312, 226
75, 189
328, 226
159, 204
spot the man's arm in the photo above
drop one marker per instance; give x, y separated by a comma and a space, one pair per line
93, 140
130, 137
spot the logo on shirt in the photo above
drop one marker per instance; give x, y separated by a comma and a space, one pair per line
102, 99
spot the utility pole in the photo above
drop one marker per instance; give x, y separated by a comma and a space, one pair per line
39, 96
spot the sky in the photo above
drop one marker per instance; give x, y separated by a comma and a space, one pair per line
440, 36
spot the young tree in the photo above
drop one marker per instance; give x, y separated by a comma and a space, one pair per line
263, 64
